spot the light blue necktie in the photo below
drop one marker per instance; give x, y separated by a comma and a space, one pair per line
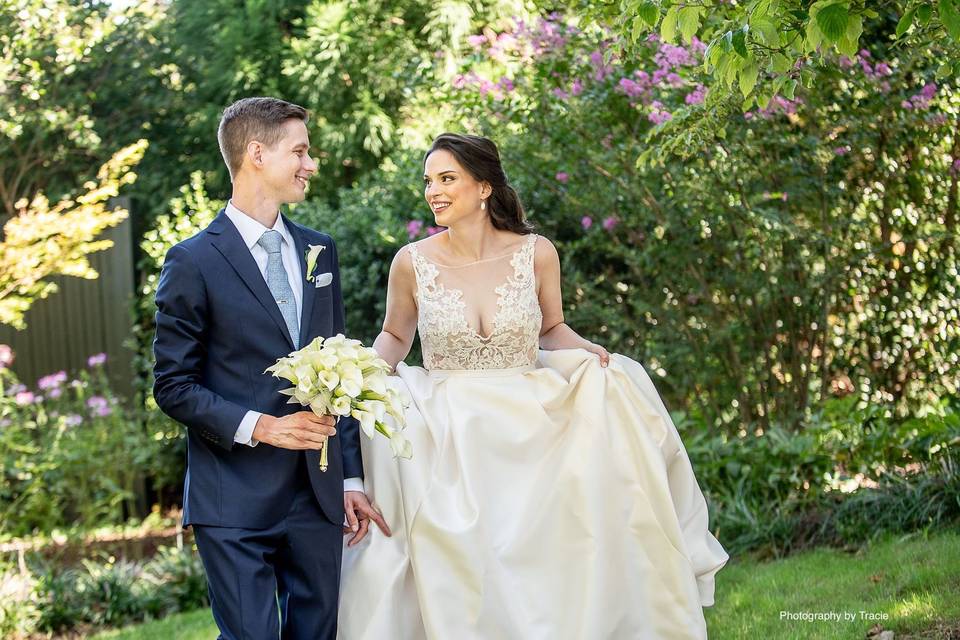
278, 283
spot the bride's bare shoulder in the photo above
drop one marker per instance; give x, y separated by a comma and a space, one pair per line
545, 253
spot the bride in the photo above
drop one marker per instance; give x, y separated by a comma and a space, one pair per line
549, 495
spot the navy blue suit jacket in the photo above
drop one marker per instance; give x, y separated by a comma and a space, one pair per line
218, 328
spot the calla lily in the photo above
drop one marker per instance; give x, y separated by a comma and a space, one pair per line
313, 251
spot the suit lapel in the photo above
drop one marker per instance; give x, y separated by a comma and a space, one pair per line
309, 290
229, 243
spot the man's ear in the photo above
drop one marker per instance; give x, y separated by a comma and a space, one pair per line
255, 153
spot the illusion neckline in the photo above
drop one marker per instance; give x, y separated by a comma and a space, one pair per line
511, 255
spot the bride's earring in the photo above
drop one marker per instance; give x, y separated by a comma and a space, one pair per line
483, 205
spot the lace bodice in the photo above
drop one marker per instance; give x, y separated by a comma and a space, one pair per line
511, 310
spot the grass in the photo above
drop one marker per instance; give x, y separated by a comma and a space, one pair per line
914, 580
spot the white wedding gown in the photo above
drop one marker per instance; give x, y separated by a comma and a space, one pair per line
547, 498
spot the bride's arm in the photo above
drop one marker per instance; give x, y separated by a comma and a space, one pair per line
554, 332
400, 324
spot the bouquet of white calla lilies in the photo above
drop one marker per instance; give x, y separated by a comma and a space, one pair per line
338, 376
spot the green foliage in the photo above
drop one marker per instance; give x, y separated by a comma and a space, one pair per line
101, 593
65, 101
763, 49
70, 453
848, 477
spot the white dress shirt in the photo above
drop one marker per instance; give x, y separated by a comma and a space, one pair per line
251, 231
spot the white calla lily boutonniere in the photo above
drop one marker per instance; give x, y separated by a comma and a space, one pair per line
313, 251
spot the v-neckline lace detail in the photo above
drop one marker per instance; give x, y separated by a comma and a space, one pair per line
449, 340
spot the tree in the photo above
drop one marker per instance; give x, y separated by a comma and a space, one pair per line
43, 241
761, 49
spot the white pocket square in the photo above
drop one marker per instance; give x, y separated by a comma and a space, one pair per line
322, 279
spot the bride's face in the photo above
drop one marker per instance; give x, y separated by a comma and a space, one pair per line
452, 193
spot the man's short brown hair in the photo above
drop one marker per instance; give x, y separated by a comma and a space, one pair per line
259, 119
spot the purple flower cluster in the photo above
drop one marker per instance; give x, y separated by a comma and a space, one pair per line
658, 115
922, 99
697, 96
52, 381
96, 360
99, 406
778, 104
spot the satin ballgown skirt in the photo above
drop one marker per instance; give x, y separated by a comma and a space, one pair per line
550, 502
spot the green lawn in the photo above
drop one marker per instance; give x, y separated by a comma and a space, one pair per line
913, 580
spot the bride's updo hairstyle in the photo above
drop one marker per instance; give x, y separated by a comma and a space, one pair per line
479, 156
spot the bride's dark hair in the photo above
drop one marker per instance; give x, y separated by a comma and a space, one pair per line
479, 156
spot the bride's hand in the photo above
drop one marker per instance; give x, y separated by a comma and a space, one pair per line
601, 353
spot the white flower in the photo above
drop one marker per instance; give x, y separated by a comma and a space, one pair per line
313, 251
367, 421
341, 405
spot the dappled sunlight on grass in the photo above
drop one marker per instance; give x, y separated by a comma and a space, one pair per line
917, 606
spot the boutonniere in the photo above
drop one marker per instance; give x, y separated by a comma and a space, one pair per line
312, 253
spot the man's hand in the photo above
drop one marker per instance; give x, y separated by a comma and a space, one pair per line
359, 514
301, 430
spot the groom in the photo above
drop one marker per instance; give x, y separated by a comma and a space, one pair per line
231, 300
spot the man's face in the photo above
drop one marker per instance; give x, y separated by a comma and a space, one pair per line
287, 166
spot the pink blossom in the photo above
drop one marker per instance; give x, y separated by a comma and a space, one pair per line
697, 96
476, 41
96, 360
506, 84
922, 99
955, 167
52, 381
24, 398
601, 70
609, 223
560, 93
630, 87
658, 115
845, 62
73, 420
576, 88
433, 230
586, 222
99, 406
413, 228
459, 82
841, 151
507, 41
562, 177
56, 392
6, 356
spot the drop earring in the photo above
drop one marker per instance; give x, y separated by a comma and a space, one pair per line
483, 205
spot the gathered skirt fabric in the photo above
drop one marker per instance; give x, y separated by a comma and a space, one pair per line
550, 502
